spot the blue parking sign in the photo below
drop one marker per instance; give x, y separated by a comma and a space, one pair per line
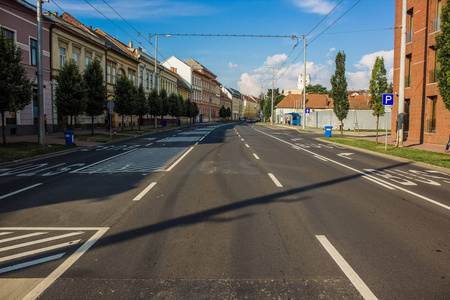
388, 99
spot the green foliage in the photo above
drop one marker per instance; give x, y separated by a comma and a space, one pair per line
124, 96
339, 89
95, 90
278, 100
228, 112
267, 108
276, 92
165, 106
443, 56
390, 88
181, 107
15, 87
141, 103
154, 105
172, 101
378, 86
316, 89
223, 112
70, 98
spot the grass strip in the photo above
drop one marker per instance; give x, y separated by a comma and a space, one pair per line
16, 151
428, 157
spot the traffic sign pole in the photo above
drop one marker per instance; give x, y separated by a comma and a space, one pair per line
388, 101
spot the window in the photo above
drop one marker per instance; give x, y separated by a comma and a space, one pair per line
141, 77
114, 76
431, 115
408, 71
108, 74
88, 60
62, 56
120, 72
33, 52
433, 69
134, 79
409, 26
8, 33
76, 58
147, 80
129, 75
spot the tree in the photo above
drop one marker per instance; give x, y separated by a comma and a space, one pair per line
278, 100
95, 91
189, 109
228, 112
154, 105
390, 88
267, 108
70, 99
378, 86
339, 90
181, 107
316, 89
141, 103
15, 87
123, 96
165, 107
173, 105
276, 92
222, 112
195, 110
443, 56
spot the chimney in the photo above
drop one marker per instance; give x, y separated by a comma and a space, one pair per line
130, 44
90, 27
173, 70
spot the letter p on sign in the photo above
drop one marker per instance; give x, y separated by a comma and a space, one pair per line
388, 99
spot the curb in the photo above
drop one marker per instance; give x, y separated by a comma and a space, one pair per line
412, 162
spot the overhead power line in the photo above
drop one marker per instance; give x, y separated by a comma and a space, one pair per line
324, 18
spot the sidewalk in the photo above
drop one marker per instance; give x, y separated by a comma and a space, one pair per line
371, 136
58, 137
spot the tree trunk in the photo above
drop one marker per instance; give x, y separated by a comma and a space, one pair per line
71, 122
92, 128
376, 138
139, 122
3, 127
131, 122
156, 121
122, 123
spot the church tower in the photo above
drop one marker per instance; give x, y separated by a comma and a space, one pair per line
301, 82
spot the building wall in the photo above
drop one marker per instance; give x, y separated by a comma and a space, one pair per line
426, 119
22, 22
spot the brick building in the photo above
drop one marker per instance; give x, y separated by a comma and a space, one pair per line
426, 120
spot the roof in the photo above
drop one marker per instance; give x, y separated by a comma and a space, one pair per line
316, 101
182, 83
195, 64
114, 44
233, 92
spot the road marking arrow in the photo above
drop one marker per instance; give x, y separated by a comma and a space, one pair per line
345, 155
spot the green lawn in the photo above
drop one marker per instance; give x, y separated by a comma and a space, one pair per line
432, 158
15, 151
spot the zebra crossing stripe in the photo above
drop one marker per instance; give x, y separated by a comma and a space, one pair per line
31, 263
40, 241
41, 250
22, 237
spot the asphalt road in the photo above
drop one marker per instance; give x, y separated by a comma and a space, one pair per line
234, 211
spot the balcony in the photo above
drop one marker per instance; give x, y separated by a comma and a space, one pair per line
408, 36
432, 75
435, 25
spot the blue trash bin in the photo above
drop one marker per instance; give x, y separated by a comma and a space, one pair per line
179, 122
328, 130
164, 123
69, 138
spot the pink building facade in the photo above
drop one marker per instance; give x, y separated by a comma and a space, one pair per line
18, 19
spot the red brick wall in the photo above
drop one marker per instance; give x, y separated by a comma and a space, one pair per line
422, 89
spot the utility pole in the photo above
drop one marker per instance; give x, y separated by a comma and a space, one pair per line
401, 88
156, 63
210, 94
271, 111
40, 77
304, 81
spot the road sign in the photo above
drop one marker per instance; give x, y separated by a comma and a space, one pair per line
110, 105
261, 115
307, 110
388, 99
387, 108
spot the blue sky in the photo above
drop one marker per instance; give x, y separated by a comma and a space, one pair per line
243, 63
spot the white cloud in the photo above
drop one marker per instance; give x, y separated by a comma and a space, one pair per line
361, 78
231, 65
331, 51
285, 78
322, 7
